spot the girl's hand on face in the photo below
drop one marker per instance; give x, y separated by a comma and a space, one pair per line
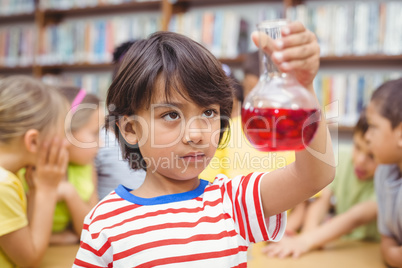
64, 189
297, 52
52, 162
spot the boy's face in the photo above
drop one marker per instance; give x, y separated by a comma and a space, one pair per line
384, 142
363, 159
176, 139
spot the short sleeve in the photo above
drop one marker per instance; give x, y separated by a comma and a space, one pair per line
242, 199
12, 206
93, 252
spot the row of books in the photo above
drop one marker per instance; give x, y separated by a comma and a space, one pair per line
17, 45
13, 7
344, 95
95, 83
92, 40
226, 33
69, 4
353, 28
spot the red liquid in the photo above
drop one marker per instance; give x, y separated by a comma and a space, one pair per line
270, 129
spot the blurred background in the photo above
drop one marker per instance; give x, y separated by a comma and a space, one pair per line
72, 41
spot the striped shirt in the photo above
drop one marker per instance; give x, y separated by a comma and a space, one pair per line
211, 226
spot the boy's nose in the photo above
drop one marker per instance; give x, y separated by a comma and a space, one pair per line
194, 131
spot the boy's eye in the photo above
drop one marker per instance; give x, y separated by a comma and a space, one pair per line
172, 116
209, 113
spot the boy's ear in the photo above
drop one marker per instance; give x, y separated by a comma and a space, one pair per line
399, 134
127, 130
31, 140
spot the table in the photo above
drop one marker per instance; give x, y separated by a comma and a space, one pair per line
345, 254
59, 256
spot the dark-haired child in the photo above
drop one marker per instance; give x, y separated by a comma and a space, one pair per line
384, 115
169, 106
353, 196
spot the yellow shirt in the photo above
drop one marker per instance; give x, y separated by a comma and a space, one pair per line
13, 209
239, 157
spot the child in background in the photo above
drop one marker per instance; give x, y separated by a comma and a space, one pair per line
77, 193
172, 100
31, 137
384, 116
355, 205
111, 169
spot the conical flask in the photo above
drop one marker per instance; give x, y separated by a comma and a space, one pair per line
279, 114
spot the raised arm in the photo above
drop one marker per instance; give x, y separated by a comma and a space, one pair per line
298, 52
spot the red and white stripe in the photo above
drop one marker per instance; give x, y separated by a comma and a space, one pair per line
214, 229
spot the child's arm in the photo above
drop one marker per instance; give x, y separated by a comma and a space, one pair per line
317, 210
313, 169
79, 208
295, 218
26, 246
391, 251
338, 226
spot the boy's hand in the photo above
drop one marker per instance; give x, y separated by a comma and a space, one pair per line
297, 52
52, 162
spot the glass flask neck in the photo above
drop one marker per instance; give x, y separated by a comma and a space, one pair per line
268, 69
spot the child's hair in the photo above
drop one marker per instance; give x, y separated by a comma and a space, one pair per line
183, 65
26, 103
80, 116
237, 87
119, 53
388, 99
361, 126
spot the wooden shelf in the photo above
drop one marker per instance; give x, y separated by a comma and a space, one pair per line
17, 17
18, 69
233, 61
389, 59
71, 67
218, 2
396, 59
101, 9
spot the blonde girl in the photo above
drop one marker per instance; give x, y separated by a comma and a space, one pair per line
31, 137
77, 191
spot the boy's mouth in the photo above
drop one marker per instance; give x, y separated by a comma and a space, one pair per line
193, 156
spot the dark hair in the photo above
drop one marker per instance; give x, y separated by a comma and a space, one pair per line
237, 86
238, 90
251, 64
184, 66
81, 116
119, 53
361, 126
388, 98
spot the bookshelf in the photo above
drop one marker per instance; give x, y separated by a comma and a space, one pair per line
49, 22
